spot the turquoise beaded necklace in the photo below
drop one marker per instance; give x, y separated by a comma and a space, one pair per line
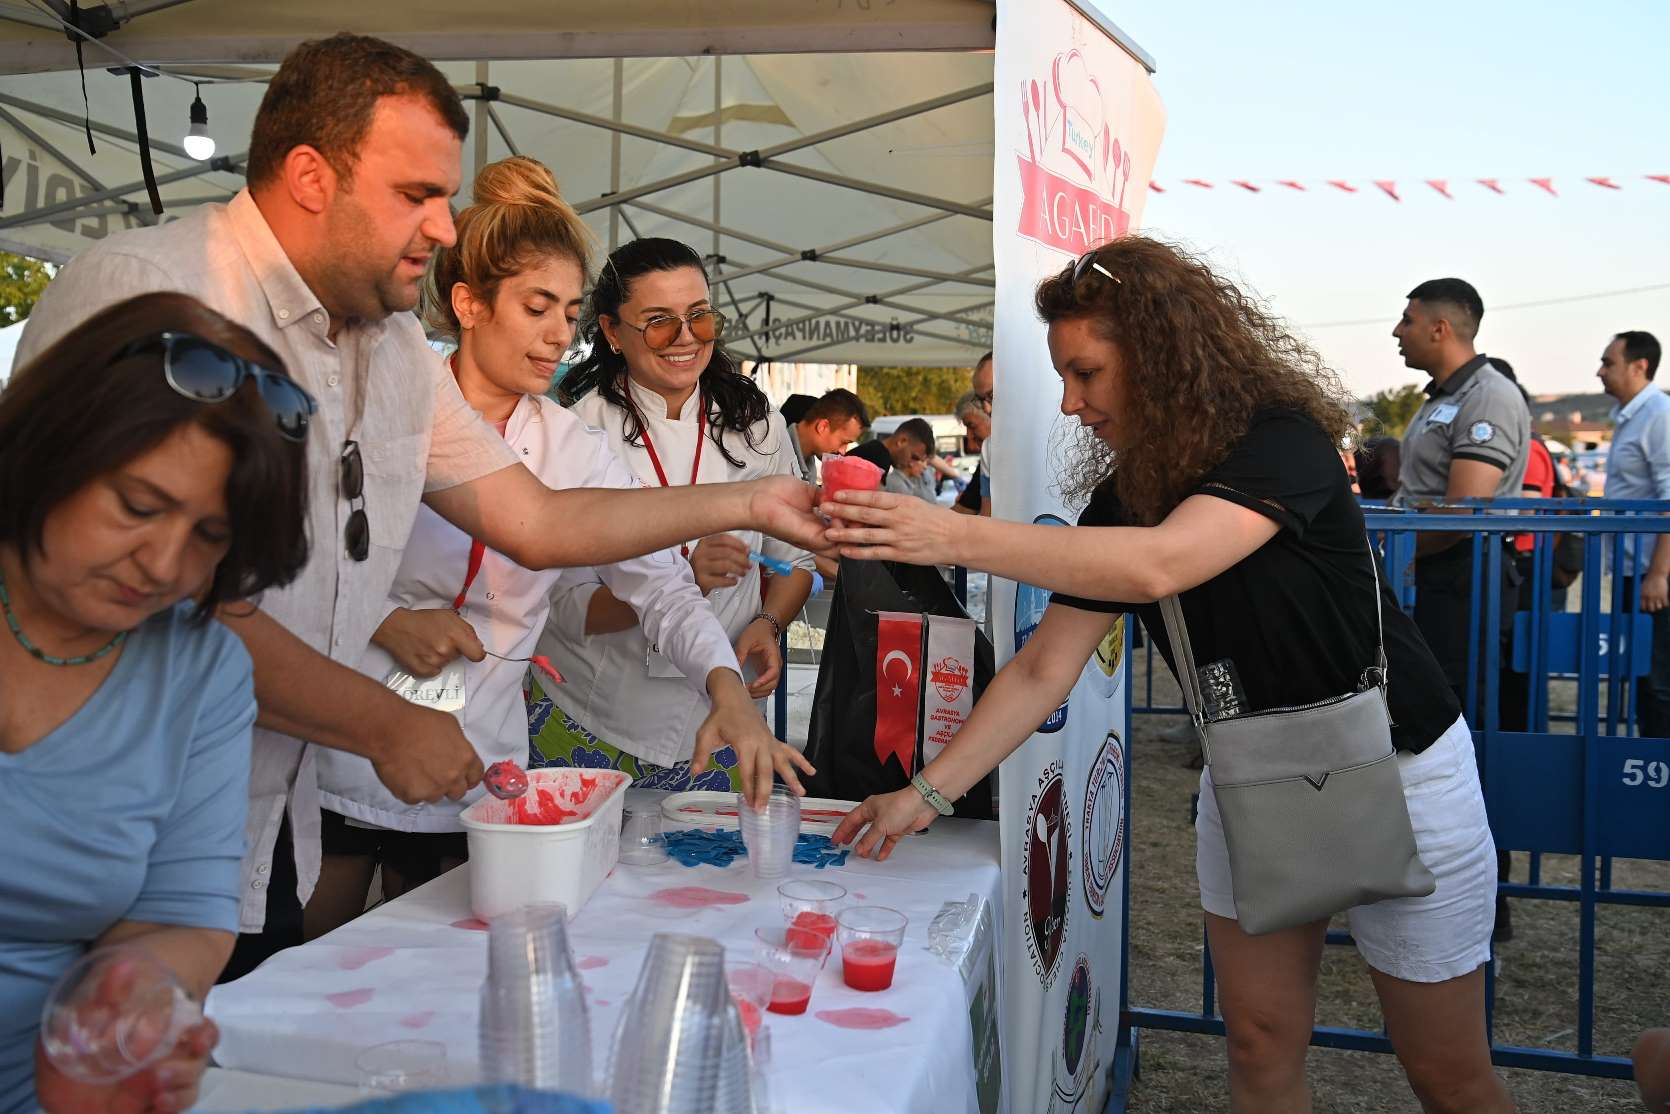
40, 654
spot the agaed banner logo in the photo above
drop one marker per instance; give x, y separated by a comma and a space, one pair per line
949, 676
1103, 826
1075, 172
1030, 602
1047, 866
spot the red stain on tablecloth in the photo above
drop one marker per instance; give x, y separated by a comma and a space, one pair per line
860, 1017
355, 958
592, 962
858, 895
348, 999
473, 924
696, 897
418, 1020
601, 1001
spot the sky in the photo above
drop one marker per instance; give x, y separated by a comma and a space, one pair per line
1319, 89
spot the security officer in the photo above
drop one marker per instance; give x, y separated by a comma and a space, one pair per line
1470, 439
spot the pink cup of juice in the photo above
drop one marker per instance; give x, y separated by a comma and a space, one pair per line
794, 961
848, 473
869, 938
809, 909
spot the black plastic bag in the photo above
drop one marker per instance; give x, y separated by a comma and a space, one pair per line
840, 741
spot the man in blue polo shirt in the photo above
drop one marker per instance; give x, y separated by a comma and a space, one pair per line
1638, 467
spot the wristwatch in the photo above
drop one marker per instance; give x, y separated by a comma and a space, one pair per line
931, 795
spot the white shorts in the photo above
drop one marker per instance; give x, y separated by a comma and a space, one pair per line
1418, 939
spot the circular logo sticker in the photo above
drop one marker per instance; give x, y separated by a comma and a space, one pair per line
1047, 867
1480, 432
1030, 602
1075, 1031
1103, 828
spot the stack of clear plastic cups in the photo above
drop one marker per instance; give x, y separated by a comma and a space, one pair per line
535, 1028
680, 1039
770, 833
114, 1012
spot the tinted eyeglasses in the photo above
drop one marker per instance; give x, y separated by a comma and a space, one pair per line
1089, 268
206, 372
357, 534
663, 329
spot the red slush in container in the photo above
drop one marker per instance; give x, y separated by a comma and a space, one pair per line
847, 473
869, 938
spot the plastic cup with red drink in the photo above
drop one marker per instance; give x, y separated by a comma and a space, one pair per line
869, 937
809, 908
794, 960
847, 473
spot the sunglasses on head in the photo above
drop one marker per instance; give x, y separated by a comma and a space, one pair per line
1088, 266
663, 329
206, 372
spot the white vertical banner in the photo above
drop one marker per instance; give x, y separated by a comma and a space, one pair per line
1078, 127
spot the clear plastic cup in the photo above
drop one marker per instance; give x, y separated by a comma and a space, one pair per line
114, 1012
535, 1028
847, 473
769, 833
810, 906
402, 1066
640, 836
869, 937
750, 986
794, 961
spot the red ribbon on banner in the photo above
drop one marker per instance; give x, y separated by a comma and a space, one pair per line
1389, 186
1065, 215
898, 687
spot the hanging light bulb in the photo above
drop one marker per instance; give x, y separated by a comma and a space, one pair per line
199, 144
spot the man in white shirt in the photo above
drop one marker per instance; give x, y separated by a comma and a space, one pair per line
355, 152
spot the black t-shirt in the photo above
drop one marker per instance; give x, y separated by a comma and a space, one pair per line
874, 451
1296, 618
970, 497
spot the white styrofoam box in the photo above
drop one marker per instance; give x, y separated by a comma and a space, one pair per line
513, 865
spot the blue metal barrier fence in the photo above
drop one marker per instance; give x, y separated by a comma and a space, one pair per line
1594, 792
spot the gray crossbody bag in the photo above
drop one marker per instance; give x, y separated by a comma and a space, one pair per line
1311, 798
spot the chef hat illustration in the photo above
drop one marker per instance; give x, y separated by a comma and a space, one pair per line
1083, 117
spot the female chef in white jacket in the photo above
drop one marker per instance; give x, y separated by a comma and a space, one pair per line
678, 411
509, 290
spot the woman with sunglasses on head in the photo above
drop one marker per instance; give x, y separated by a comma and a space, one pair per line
508, 291
151, 472
678, 412
1208, 459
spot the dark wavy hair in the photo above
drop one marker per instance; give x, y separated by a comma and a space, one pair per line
1200, 358
733, 400
80, 410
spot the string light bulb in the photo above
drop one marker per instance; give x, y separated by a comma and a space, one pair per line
199, 144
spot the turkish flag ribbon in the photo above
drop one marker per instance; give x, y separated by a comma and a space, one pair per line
898, 686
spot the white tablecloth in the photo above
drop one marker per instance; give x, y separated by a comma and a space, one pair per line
412, 969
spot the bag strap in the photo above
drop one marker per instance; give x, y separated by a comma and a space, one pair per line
1177, 631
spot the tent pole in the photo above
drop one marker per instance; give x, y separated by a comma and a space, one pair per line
35, 137
908, 196
718, 140
620, 127
39, 216
481, 110
614, 153
504, 132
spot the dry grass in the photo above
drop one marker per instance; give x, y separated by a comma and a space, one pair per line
1536, 994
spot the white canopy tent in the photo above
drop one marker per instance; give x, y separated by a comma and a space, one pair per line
845, 193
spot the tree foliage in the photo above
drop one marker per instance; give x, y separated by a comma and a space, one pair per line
21, 281
1390, 412
911, 390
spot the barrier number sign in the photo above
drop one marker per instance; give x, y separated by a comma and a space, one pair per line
1653, 775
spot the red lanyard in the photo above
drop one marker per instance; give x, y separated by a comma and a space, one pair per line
655, 458
477, 549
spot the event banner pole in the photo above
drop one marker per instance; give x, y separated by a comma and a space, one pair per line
1078, 127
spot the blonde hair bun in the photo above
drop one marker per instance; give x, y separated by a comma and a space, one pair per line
517, 180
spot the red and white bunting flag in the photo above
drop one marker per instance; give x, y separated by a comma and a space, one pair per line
1197, 182
898, 687
1155, 186
1389, 187
1442, 185
1494, 185
1339, 185
1248, 186
1665, 178
1292, 185
1545, 184
1604, 182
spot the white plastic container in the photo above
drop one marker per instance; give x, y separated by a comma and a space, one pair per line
513, 865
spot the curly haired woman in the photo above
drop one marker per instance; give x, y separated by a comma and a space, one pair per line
1210, 469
